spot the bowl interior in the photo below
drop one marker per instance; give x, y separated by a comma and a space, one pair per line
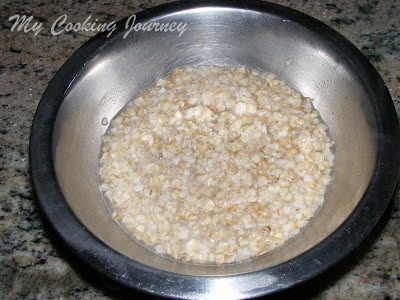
223, 36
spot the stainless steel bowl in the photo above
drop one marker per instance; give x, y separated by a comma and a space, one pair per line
105, 73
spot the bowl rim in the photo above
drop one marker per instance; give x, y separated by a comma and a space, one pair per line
141, 277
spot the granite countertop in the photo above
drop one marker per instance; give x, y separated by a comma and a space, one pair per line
34, 263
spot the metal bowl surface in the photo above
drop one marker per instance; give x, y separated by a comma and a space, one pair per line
107, 72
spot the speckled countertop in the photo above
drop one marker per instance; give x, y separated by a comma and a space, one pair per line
33, 262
